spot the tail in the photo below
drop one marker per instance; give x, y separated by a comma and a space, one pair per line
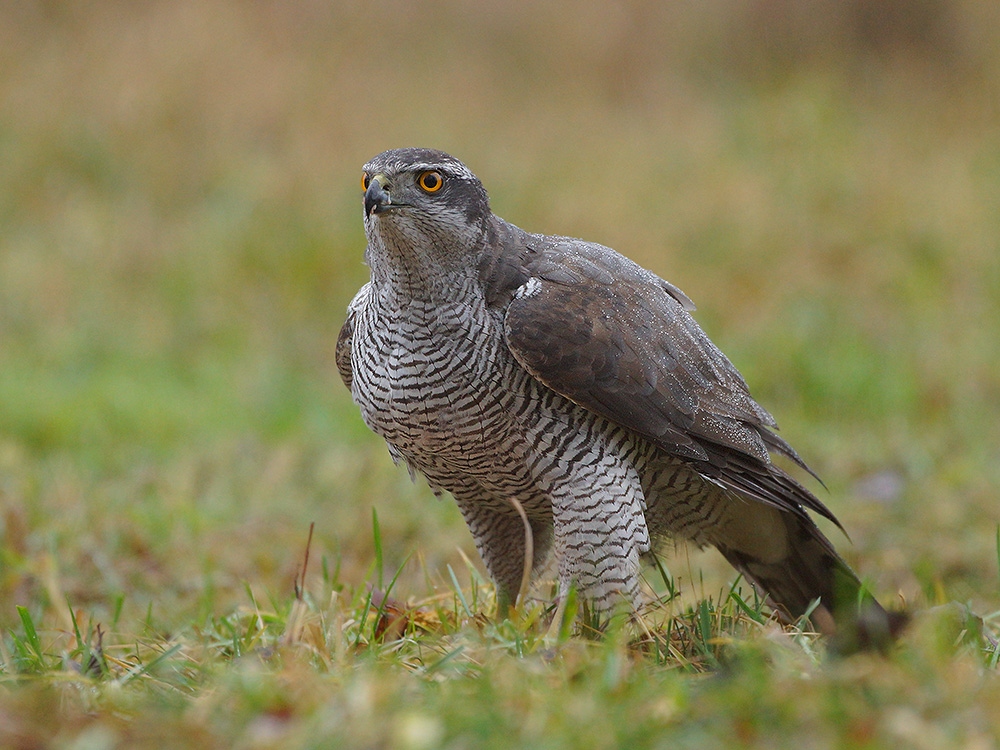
804, 568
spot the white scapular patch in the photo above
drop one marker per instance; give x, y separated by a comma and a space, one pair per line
529, 288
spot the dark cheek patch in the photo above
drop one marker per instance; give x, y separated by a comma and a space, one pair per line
474, 202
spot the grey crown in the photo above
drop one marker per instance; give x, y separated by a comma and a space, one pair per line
553, 377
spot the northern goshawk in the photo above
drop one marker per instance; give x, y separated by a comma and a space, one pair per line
551, 383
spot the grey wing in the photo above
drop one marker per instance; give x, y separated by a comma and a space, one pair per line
345, 340
618, 340
343, 351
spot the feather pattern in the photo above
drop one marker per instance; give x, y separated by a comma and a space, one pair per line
554, 377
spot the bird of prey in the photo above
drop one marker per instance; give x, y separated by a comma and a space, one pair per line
567, 400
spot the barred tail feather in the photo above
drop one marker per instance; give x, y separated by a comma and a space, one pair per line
809, 570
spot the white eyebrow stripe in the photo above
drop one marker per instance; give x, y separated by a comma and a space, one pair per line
452, 169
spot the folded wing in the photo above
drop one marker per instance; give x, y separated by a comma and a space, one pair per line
618, 340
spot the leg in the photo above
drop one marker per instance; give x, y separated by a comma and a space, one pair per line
600, 532
499, 534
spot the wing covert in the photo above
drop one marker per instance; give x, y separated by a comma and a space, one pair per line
618, 340
346, 337
343, 351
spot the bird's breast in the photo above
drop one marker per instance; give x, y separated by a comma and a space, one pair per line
430, 379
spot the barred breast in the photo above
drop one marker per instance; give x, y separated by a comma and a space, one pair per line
438, 384
432, 380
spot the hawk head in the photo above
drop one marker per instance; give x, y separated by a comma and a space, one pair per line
422, 206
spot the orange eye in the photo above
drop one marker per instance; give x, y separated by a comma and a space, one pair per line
431, 181
365, 180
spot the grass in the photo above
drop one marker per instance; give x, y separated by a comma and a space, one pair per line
339, 668
178, 198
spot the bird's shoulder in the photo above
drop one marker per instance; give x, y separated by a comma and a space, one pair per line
511, 257
618, 339
574, 262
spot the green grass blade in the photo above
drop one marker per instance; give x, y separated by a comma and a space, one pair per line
380, 613
569, 614
140, 669
119, 603
148, 624
436, 666
749, 611
76, 628
377, 538
24, 660
667, 579
363, 618
704, 622
458, 591
29, 632
250, 595
87, 655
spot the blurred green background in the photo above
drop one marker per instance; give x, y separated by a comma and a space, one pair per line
180, 232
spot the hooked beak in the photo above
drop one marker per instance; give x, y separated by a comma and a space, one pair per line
377, 198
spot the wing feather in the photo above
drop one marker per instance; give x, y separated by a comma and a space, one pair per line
618, 340
345, 338
343, 351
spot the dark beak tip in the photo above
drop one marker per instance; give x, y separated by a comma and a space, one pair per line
375, 198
